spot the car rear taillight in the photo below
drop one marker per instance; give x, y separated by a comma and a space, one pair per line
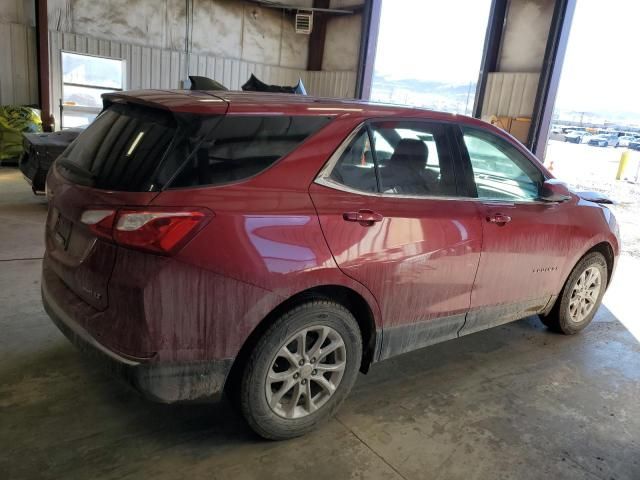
161, 231
99, 221
156, 231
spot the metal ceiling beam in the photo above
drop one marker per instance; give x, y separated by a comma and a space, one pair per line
318, 37
550, 76
491, 51
282, 6
368, 47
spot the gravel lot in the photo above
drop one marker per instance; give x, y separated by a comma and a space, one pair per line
594, 168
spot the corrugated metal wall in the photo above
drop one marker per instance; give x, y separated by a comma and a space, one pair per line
18, 70
510, 94
148, 67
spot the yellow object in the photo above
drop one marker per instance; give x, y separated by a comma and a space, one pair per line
624, 160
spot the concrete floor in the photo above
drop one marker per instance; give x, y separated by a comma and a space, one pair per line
513, 402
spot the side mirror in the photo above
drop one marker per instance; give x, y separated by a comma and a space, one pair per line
554, 191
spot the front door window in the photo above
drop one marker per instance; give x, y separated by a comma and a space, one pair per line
500, 171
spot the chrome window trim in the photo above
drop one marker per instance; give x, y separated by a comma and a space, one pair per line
324, 178
333, 159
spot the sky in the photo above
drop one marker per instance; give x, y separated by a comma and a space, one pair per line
413, 34
601, 71
443, 41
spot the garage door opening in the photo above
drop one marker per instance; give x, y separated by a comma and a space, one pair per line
429, 53
595, 133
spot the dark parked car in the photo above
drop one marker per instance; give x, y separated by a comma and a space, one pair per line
635, 144
40, 151
275, 245
604, 140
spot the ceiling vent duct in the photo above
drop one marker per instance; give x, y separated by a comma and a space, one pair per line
304, 21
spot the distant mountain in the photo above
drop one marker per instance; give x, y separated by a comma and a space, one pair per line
631, 119
449, 97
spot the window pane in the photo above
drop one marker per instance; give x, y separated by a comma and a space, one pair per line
121, 149
240, 147
355, 168
446, 39
409, 159
92, 71
76, 119
82, 96
500, 171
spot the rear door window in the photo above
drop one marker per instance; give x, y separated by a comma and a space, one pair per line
405, 158
413, 158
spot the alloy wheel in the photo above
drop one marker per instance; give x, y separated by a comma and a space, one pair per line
584, 295
306, 371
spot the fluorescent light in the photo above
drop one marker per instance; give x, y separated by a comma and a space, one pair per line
135, 143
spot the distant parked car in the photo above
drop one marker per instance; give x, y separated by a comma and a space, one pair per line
586, 137
625, 140
635, 144
574, 136
604, 140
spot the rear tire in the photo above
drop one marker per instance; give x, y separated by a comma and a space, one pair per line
301, 370
581, 296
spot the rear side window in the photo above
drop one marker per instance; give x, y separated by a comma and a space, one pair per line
121, 149
242, 146
133, 148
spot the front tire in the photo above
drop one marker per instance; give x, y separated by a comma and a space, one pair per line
581, 296
301, 370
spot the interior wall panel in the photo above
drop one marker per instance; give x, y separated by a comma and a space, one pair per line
148, 67
18, 71
510, 94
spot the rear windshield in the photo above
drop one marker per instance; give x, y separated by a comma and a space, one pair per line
135, 148
121, 149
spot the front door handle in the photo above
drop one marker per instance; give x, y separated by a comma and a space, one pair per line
363, 216
498, 219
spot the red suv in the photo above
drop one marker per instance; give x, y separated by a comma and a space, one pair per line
274, 245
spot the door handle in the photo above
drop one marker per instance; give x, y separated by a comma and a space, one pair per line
498, 219
363, 216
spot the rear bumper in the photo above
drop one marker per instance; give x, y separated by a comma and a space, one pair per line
161, 382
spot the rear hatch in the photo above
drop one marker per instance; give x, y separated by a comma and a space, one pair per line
123, 159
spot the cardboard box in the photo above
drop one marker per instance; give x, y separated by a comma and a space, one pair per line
501, 122
520, 128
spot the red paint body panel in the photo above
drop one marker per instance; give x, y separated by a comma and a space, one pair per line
419, 261
524, 259
278, 233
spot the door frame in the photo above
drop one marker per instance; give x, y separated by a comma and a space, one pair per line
399, 339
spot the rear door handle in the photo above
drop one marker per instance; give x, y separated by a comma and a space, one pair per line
498, 219
363, 216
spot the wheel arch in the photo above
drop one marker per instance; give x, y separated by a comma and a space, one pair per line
345, 296
606, 250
